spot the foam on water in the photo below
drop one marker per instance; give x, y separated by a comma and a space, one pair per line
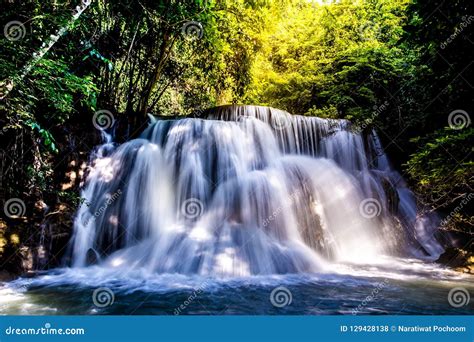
340, 290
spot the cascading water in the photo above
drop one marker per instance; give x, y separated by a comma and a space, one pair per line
247, 191
215, 214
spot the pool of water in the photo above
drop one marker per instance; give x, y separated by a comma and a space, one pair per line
401, 287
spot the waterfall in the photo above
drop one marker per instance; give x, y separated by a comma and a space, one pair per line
247, 190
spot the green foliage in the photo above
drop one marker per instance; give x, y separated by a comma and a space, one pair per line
397, 66
48, 139
127, 57
443, 172
440, 166
345, 55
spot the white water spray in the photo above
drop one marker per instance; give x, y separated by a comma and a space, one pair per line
247, 191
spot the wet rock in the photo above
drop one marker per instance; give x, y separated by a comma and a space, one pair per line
392, 195
458, 259
91, 257
7, 276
